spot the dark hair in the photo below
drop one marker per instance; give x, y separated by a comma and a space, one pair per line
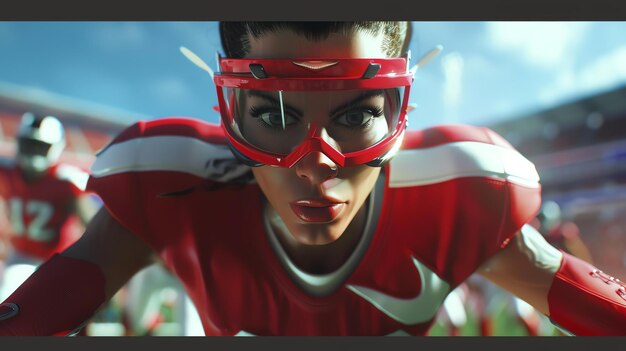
235, 40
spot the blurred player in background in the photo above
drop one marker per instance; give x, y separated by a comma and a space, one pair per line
564, 235
45, 209
45, 205
155, 303
479, 307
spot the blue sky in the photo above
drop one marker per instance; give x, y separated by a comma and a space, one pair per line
488, 71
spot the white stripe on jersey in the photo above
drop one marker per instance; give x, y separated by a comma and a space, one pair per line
460, 159
407, 168
160, 153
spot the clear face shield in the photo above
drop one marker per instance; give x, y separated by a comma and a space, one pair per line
289, 123
276, 111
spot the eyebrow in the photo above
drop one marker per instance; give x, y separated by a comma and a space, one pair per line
275, 101
364, 96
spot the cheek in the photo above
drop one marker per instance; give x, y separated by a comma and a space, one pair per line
362, 178
275, 183
360, 182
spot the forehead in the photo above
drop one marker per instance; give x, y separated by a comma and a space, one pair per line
327, 96
287, 44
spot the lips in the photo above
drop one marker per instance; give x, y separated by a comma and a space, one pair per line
317, 210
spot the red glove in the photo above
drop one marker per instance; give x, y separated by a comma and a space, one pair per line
63, 293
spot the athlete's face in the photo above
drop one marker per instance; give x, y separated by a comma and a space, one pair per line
316, 199
32, 157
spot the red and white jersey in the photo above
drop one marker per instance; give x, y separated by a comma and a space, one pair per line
448, 201
40, 213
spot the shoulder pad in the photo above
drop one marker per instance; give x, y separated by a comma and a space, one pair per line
171, 144
447, 152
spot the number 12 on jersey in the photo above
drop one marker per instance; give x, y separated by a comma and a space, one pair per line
40, 213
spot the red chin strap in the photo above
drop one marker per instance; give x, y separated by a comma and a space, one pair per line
63, 293
585, 301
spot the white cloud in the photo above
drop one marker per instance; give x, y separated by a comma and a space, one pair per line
604, 72
564, 85
544, 44
452, 65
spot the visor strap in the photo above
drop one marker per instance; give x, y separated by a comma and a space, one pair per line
282, 109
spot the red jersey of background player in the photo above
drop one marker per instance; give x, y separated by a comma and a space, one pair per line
448, 201
41, 213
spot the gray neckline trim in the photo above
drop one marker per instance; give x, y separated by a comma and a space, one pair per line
324, 284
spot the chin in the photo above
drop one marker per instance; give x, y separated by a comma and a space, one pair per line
322, 235
315, 240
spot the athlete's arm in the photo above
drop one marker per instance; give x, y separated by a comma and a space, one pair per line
85, 208
575, 295
69, 288
525, 267
117, 252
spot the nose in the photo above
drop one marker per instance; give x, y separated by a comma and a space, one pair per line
316, 168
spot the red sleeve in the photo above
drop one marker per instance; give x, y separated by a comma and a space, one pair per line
502, 208
138, 171
484, 215
477, 191
121, 193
